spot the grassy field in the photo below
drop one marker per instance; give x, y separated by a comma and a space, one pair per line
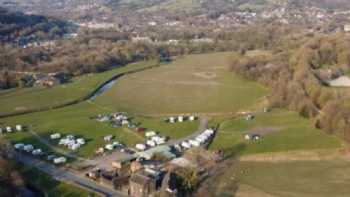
294, 179
25, 99
71, 120
76, 120
191, 84
283, 131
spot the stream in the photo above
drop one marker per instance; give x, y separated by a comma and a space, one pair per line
102, 89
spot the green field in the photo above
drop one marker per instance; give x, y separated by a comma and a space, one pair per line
72, 120
27, 99
223, 92
286, 131
294, 179
76, 120
190, 84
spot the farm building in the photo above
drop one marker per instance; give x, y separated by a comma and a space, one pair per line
121, 162
142, 184
47, 81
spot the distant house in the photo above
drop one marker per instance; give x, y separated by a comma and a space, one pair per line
51, 79
142, 185
124, 161
139, 39
47, 81
347, 28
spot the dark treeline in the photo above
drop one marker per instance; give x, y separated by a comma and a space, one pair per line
11, 179
298, 77
20, 28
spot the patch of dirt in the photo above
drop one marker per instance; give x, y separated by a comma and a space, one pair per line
249, 191
21, 108
343, 81
312, 155
181, 82
264, 130
206, 75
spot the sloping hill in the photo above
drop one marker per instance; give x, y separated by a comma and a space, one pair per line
15, 26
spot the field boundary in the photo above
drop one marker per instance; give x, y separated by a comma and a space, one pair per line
291, 156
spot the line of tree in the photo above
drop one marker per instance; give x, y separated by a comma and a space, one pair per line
294, 77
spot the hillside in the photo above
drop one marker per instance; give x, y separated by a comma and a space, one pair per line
22, 28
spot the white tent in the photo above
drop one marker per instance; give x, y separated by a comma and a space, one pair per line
151, 143
19, 127
28, 148
37, 152
55, 136
59, 160
194, 143
19, 146
140, 147
81, 141
150, 134
172, 120
109, 147
186, 144
9, 129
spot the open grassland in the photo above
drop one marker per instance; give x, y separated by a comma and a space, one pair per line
71, 120
294, 179
191, 84
281, 130
28, 99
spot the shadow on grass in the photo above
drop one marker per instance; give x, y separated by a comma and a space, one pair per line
235, 151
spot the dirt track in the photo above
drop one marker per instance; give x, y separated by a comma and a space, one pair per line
290, 156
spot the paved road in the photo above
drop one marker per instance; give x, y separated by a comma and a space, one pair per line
67, 176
